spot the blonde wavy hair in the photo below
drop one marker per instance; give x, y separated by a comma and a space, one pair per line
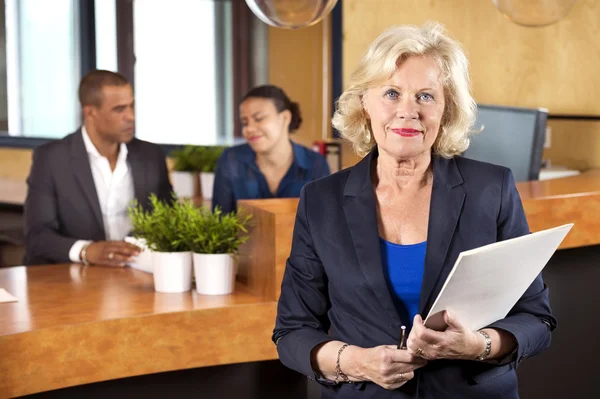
380, 62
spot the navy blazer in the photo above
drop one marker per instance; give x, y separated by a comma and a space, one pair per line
334, 287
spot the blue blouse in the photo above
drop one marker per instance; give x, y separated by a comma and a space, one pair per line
403, 267
238, 177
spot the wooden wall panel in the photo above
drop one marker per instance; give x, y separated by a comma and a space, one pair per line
15, 163
553, 67
575, 144
296, 65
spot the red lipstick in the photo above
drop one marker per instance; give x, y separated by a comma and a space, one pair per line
406, 132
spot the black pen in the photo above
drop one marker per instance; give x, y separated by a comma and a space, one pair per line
402, 342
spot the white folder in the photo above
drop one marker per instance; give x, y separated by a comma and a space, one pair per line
486, 282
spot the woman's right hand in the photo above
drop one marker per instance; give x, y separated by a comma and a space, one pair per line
385, 365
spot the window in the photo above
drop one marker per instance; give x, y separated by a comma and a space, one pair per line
42, 67
180, 50
105, 16
180, 61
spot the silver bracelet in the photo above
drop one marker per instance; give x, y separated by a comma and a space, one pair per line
488, 346
83, 254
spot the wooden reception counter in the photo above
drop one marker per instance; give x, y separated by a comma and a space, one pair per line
547, 203
75, 325
575, 199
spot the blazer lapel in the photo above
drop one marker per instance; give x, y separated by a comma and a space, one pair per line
447, 199
138, 173
360, 212
83, 173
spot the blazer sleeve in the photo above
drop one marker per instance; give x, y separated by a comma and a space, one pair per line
42, 238
302, 321
165, 189
223, 195
530, 321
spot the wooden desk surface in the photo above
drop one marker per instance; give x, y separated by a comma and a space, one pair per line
13, 192
75, 325
585, 184
574, 199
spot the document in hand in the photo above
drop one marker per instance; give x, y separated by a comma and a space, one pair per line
486, 282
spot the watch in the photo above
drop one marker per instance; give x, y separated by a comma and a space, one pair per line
488, 346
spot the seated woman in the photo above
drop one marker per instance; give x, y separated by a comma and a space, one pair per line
269, 165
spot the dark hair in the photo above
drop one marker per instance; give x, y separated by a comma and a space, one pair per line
90, 87
281, 101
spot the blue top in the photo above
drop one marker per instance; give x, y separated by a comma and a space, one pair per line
238, 177
403, 267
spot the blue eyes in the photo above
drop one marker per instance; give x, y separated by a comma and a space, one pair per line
394, 95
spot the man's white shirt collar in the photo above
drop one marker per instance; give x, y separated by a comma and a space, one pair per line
93, 151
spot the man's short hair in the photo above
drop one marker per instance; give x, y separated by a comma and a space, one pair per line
90, 87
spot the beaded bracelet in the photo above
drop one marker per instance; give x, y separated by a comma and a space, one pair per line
339, 374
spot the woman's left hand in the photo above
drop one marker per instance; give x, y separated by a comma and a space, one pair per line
456, 342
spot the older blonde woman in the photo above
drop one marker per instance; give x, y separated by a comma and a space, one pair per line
374, 243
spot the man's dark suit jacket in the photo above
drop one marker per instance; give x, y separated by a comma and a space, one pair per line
62, 204
334, 287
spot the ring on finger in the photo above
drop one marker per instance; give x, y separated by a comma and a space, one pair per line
403, 377
419, 352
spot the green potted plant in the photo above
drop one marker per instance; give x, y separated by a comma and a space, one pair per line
215, 240
163, 228
184, 176
206, 159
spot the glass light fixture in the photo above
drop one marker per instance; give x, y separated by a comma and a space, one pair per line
534, 13
291, 14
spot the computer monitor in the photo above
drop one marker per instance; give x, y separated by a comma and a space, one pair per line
511, 137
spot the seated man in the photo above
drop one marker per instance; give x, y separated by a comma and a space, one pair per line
81, 186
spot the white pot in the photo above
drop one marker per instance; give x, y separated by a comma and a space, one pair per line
207, 181
143, 261
185, 184
172, 271
215, 274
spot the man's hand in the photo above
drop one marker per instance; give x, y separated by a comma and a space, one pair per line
111, 253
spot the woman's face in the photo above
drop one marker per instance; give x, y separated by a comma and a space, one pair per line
262, 126
406, 111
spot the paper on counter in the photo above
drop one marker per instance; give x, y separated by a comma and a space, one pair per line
486, 282
143, 261
6, 297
